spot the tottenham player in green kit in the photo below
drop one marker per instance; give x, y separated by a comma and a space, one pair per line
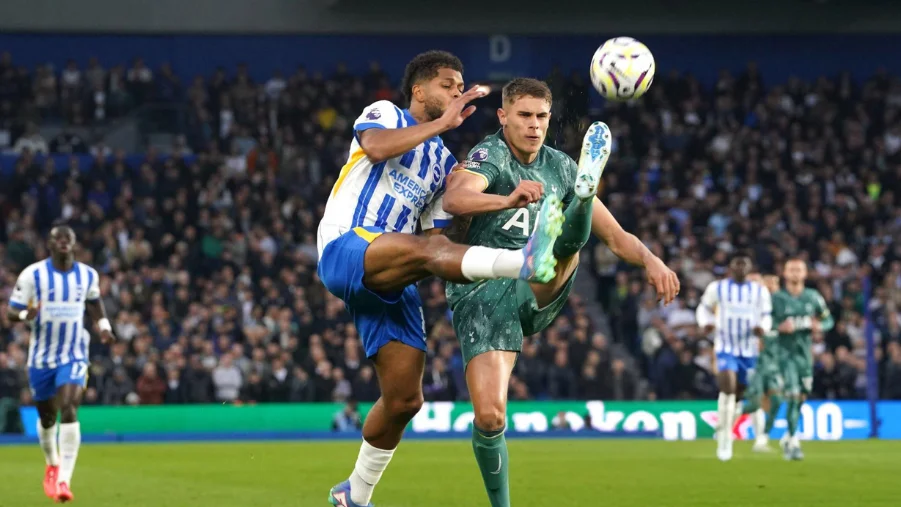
798, 312
497, 196
763, 397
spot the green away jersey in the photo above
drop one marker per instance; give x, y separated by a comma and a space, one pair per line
496, 314
492, 160
802, 310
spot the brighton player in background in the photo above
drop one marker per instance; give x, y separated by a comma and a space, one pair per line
371, 258
491, 317
52, 295
738, 312
798, 312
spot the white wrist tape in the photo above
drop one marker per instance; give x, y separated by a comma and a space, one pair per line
104, 325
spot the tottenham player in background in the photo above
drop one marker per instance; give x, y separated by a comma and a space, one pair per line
738, 312
52, 296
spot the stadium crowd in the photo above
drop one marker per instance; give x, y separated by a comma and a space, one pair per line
209, 257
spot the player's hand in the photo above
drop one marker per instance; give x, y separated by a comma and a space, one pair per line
758, 331
786, 327
663, 279
524, 194
816, 326
33, 312
457, 111
709, 328
107, 337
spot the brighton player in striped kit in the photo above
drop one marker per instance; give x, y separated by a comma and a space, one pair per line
738, 312
52, 296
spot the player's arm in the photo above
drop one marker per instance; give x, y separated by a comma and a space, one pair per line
466, 197
380, 143
706, 311
629, 248
824, 321
765, 319
97, 312
378, 135
20, 308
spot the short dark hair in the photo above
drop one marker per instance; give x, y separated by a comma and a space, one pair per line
526, 87
741, 253
425, 66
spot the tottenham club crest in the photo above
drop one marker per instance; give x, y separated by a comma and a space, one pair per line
374, 114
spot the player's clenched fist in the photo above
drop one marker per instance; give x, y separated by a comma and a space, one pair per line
525, 193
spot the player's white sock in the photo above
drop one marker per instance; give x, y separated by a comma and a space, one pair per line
726, 406
371, 463
794, 441
69, 442
759, 420
47, 438
481, 263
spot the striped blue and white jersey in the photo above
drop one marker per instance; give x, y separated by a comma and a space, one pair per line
735, 309
58, 336
393, 195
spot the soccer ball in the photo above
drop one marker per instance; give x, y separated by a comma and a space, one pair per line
622, 69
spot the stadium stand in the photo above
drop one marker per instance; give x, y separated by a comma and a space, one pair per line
208, 248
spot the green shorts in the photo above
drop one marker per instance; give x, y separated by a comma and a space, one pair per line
497, 314
798, 375
767, 378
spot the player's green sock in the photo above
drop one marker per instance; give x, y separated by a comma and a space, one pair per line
490, 448
576, 228
775, 403
794, 414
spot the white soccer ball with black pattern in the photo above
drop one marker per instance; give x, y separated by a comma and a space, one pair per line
622, 69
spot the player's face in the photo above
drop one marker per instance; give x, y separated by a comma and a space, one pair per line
438, 92
795, 272
771, 282
62, 241
740, 267
525, 122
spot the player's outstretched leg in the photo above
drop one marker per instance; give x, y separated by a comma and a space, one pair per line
47, 430
488, 377
68, 398
394, 261
577, 224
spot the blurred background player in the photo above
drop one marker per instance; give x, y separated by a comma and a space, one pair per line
763, 397
798, 312
371, 259
738, 312
52, 295
497, 193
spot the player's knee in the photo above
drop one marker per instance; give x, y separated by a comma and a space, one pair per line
404, 408
48, 419
492, 417
68, 413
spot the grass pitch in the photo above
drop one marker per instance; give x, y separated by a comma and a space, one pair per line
544, 473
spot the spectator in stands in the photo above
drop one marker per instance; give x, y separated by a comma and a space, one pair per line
348, 419
150, 387
208, 260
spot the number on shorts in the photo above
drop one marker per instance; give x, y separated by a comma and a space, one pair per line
79, 370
